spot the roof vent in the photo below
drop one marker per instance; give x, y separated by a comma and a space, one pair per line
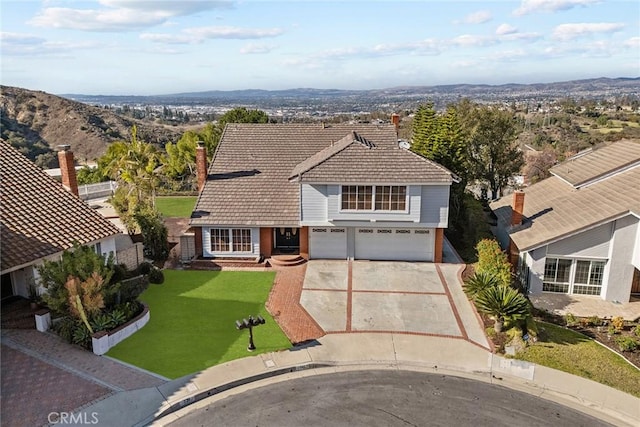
404, 144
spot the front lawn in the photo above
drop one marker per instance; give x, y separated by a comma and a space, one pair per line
571, 352
175, 206
192, 324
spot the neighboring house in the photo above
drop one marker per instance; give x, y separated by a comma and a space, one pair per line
578, 231
320, 191
39, 219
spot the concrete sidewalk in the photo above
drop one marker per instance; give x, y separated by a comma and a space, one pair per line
339, 352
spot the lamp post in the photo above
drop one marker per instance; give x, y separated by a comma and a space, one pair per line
249, 324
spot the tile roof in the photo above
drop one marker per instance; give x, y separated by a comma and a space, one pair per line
38, 216
554, 209
594, 164
249, 183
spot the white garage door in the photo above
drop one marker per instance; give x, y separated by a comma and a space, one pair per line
327, 243
394, 244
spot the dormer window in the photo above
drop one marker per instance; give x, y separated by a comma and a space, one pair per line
386, 197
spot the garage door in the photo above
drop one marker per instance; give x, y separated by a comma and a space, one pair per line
394, 244
327, 243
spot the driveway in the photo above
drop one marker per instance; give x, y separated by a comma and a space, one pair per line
397, 297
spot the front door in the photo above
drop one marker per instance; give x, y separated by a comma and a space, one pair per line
7, 286
287, 239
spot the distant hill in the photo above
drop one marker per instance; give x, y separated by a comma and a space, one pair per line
37, 122
588, 88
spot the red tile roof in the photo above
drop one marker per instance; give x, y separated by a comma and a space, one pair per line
38, 217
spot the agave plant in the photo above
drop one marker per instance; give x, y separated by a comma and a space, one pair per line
480, 281
503, 303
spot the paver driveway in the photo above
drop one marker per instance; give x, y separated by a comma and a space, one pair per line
399, 297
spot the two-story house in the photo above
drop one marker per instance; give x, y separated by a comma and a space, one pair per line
346, 191
578, 231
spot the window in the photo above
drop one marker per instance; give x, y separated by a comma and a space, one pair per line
581, 277
387, 197
241, 239
556, 275
231, 240
588, 277
391, 197
220, 240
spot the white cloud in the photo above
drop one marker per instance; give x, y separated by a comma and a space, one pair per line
121, 15
572, 31
233, 32
533, 6
257, 48
200, 34
16, 44
506, 29
478, 17
633, 42
508, 55
467, 40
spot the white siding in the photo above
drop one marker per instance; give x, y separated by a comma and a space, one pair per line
434, 211
535, 261
411, 215
108, 246
313, 204
208, 253
592, 243
619, 270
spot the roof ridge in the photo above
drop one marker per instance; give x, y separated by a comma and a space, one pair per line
328, 152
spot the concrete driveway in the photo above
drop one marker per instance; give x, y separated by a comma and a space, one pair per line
379, 296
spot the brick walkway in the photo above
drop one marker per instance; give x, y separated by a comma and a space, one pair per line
33, 389
284, 305
41, 374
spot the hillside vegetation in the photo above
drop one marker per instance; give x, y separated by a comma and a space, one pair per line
36, 122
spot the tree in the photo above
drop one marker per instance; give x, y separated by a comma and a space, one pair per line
493, 154
492, 260
242, 115
154, 233
479, 282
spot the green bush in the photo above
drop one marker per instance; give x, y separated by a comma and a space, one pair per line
627, 343
65, 327
492, 260
570, 319
636, 331
503, 303
480, 281
131, 289
144, 267
82, 336
156, 276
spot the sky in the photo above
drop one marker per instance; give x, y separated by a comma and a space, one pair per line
154, 47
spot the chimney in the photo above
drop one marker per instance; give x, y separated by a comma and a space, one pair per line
395, 119
68, 169
201, 164
517, 208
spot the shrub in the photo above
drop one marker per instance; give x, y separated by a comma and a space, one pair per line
480, 281
101, 322
570, 320
617, 323
131, 289
81, 336
594, 321
65, 327
154, 233
636, 330
503, 303
156, 276
492, 260
627, 343
117, 317
144, 267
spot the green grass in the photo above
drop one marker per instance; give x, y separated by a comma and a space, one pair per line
577, 354
192, 325
176, 206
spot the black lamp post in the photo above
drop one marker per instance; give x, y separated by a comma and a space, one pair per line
249, 324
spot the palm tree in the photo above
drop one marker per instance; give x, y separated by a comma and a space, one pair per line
502, 303
480, 281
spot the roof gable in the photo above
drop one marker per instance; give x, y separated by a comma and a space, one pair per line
39, 217
554, 210
591, 165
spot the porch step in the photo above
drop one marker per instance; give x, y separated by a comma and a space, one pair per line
219, 263
285, 260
